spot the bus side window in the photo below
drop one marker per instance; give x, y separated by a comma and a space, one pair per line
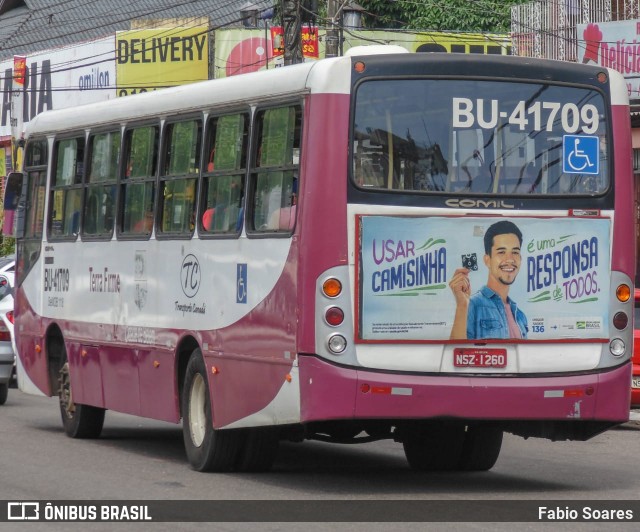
100, 194
221, 204
284, 218
30, 247
66, 189
276, 171
91, 214
178, 182
137, 189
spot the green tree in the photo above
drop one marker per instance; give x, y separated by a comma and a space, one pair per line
492, 16
7, 246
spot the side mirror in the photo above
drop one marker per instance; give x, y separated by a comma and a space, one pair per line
13, 191
15, 205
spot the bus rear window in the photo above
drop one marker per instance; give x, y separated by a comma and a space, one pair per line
479, 137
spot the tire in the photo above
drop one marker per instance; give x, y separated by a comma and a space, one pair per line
79, 421
481, 448
207, 449
4, 393
259, 450
13, 381
433, 446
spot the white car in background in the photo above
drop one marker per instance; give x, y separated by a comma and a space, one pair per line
7, 340
8, 264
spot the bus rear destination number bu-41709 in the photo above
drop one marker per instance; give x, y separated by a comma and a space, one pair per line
479, 358
536, 116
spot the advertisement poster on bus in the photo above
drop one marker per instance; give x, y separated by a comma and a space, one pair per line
553, 271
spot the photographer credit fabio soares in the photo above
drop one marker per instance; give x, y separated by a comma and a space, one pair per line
490, 312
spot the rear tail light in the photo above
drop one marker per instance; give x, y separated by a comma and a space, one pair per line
337, 343
332, 287
5, 336
620, 321
334, 316
10, 316
617, 347
623, 293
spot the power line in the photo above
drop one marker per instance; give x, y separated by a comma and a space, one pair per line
81, 63
125, 16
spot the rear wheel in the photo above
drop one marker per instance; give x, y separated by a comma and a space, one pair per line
207, 449
481, 448
4, 393
433, 446
79, 421
259, 450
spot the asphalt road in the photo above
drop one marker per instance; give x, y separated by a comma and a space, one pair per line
142, 460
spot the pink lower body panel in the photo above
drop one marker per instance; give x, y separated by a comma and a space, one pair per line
330, 392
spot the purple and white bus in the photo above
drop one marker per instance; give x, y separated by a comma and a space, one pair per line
430, 248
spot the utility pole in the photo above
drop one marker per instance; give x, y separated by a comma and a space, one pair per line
292, 27
332, 36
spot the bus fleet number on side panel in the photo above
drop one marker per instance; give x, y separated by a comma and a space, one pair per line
539, 116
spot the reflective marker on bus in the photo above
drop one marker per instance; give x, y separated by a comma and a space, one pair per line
428, 248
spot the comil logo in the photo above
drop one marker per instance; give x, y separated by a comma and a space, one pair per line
23, 511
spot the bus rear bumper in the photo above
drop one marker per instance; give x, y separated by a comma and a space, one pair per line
330, 392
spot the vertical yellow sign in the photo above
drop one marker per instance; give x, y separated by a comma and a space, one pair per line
151, 59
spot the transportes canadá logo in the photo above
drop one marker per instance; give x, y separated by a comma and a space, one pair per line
190, 275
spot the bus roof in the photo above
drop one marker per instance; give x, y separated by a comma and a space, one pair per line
326, 76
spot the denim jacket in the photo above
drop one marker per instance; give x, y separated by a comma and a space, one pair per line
487, 318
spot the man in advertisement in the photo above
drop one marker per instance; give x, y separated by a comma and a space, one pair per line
490, 312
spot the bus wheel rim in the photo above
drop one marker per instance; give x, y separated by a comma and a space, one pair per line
197, 413
66, 398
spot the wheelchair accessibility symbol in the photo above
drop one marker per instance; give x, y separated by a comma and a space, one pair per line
241, 283
580, 154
